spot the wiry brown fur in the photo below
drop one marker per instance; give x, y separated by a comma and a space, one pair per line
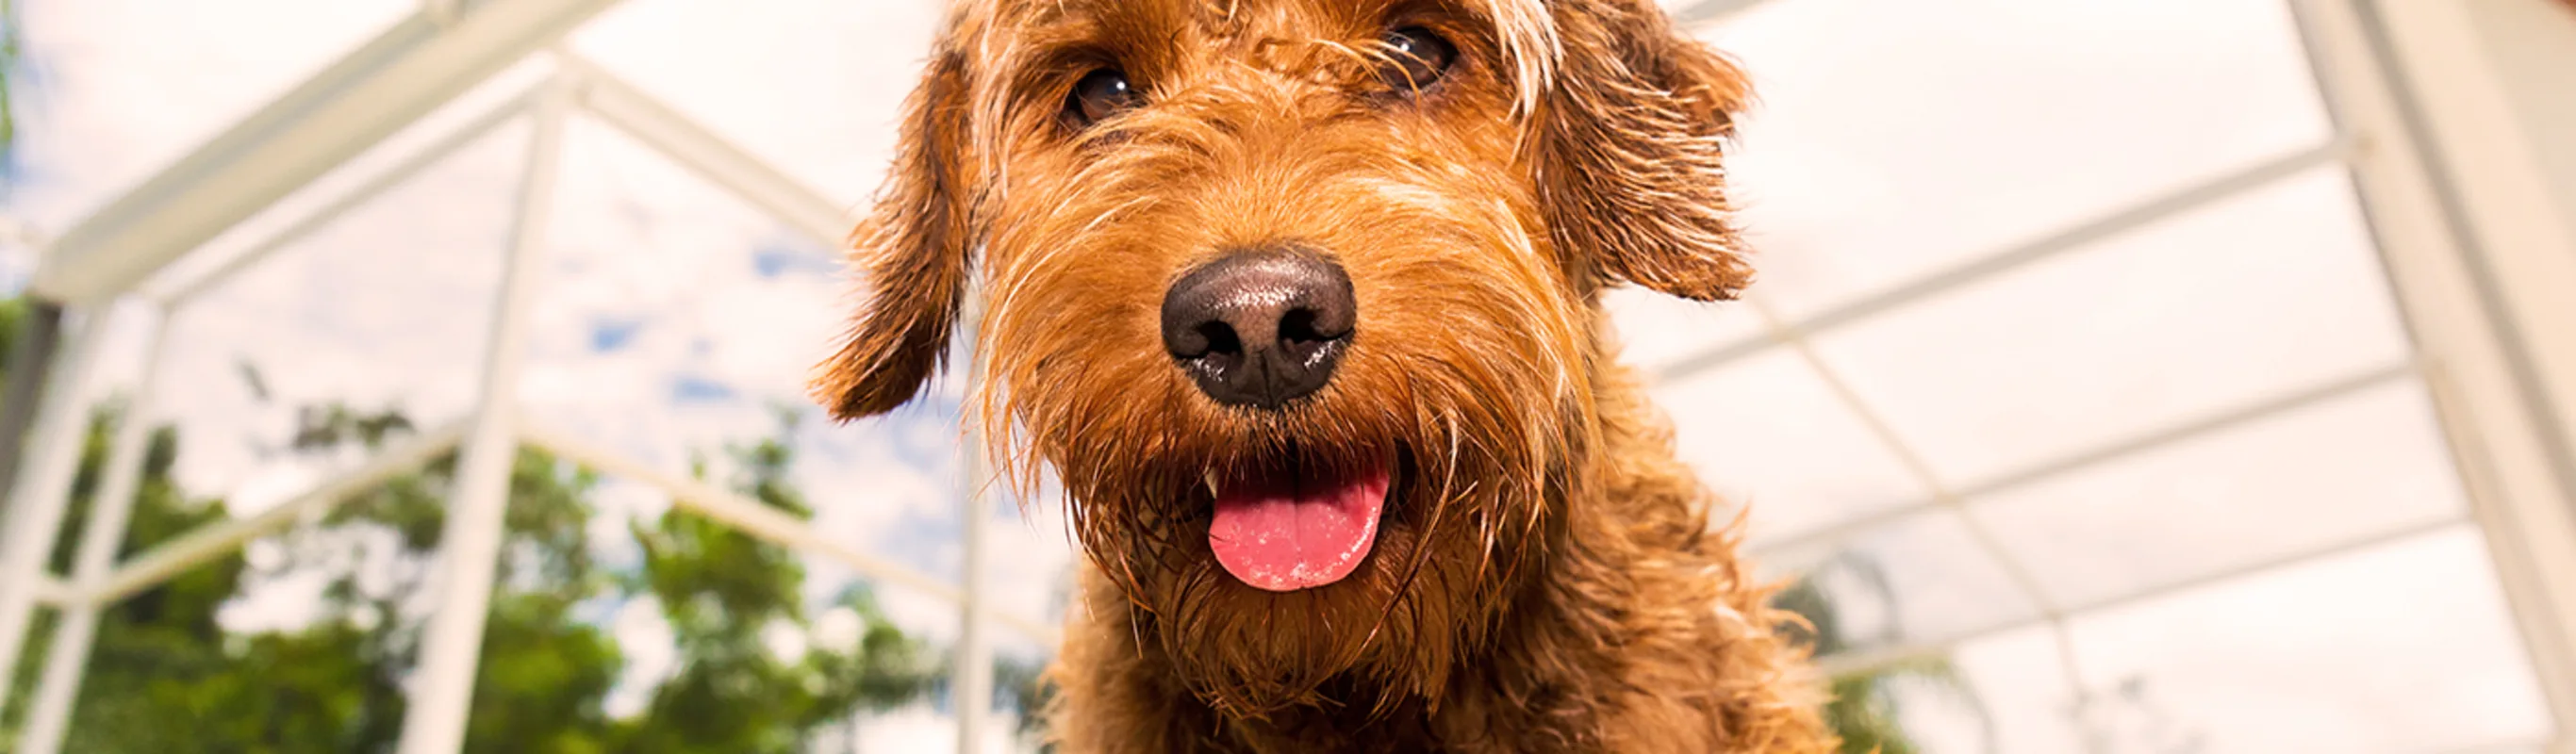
1545, 578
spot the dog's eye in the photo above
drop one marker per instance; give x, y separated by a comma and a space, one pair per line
1097, 96
1420, 58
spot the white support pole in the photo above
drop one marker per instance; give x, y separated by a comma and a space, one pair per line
970, 683
2477, 264
442, 690
43, 487
67, 659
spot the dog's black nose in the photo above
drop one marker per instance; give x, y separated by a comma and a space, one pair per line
1260, 328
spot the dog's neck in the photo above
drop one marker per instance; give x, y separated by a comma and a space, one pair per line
1575, 621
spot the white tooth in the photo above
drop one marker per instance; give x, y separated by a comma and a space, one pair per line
1211, 482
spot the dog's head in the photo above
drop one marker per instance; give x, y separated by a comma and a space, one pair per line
1296, 298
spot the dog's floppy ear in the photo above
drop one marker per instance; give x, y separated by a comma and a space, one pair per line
1629, 165
912, 251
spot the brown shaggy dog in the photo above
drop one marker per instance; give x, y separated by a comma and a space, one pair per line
1298, 300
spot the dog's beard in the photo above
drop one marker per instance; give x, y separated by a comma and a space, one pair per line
1460, 532
1428, 588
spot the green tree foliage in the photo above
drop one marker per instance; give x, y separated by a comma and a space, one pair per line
166, 676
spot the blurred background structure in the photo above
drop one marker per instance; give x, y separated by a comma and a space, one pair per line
2147, 376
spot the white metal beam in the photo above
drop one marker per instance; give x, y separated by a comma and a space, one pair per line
30, 360
482, 125
2181, 431
352, 105
2080, 235
1880, 658
667, 131
442, 692
52, 592
1706, 13
2480, 269
757, 520
444, 12
1941, 492
970, 682
109, 510
211, 541
42, 489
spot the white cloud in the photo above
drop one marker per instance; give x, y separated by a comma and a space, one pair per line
645, 639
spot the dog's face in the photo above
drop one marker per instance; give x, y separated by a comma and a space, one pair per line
1296, 298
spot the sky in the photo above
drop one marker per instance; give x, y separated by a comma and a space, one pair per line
2037, 411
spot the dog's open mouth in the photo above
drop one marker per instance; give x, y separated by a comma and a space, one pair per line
1285, 527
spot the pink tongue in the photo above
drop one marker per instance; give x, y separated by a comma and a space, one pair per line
1282, 539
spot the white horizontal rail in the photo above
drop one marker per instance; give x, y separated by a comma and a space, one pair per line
1835, 533
2140, 215
52, 591
758, 520
1871, 660
214, 540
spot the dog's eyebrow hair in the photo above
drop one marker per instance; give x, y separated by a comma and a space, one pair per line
1526, 30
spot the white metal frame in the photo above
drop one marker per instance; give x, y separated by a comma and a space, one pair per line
452, 644
42, 489
349, 108
65, 661
2482, 267
403, 74
2429, 146
2480, 281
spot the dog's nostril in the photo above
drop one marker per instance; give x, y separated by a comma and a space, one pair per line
1220, 338
1298, 327
1260, 328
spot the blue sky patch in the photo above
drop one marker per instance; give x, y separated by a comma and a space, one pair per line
774, 260
693, 389
612, 334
